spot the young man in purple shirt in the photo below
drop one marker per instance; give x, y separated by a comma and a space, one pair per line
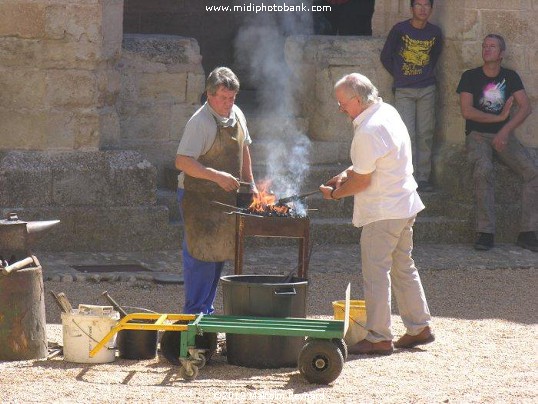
410, 55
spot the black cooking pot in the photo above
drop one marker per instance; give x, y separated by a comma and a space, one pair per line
264, 296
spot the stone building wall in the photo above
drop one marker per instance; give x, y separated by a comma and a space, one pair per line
59, 86
161, 83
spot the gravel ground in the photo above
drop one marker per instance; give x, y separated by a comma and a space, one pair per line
485, 319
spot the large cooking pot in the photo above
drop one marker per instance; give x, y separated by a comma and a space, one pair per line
263, 296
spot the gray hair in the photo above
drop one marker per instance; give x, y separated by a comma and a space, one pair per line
358, 85
499, 38
221, 76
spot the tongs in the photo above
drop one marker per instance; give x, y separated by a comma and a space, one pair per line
294, 198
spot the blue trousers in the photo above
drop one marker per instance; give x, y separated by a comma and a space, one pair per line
201, 277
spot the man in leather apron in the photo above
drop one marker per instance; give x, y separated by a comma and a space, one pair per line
213, 156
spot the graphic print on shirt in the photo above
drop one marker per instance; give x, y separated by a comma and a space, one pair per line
493, 97
415, 54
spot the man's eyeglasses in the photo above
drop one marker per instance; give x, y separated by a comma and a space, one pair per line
344, 105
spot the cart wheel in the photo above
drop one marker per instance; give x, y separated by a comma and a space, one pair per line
342, 347
320, 361
188, 376
171, 344
200, 362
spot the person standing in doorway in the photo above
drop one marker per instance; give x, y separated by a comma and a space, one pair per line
410, 55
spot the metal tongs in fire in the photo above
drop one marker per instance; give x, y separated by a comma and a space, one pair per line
294, 198
236, 210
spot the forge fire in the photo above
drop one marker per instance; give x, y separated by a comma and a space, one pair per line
265, 203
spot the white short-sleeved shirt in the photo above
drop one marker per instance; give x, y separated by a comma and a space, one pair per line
201, 131
381, 146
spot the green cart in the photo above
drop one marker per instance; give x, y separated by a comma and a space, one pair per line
320, 361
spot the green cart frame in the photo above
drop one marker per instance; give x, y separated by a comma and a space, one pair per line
320, 361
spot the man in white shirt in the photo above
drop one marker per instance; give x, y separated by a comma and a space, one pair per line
386, 204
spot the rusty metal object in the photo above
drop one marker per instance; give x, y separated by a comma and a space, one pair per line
17, 265
17, 236
22, 300
284, 227
22, 316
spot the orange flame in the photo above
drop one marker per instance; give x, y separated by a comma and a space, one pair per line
264, 202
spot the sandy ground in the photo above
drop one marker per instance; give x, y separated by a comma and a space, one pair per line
486, 351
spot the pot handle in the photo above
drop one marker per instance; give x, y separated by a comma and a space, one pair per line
287, 291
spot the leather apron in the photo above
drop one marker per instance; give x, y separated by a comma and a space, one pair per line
210, 233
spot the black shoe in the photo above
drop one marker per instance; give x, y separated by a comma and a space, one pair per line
527, 240
425, 186
484, 242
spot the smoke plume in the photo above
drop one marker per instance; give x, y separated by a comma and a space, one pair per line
259, 47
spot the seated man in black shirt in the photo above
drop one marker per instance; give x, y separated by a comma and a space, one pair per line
487, 94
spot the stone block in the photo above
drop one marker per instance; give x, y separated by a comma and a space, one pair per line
163, 50
181, 113
25, 182
71, 88
162, 86
23, 88
145, 124
136, 228
504, 5
109, 136
516, 27
24, 130
24, 19
195, 87
84, 129
112, 28
471, 26
82, 54
112, 178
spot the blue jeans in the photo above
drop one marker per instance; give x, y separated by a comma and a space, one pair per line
201, 277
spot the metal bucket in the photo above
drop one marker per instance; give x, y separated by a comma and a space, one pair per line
263, 296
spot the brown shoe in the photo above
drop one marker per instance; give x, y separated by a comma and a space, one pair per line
410, 341
366, 347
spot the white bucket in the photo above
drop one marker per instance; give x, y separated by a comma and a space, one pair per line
83, 328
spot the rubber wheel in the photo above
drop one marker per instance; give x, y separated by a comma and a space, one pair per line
171, 343
340, 343
189, 377
320, 361
342, 346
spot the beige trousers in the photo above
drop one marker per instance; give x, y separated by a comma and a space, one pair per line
386, 248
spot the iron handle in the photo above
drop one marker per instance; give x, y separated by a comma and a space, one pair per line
285, 292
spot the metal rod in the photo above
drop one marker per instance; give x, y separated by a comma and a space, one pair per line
227, 206
296, 197
118, 308
17, 265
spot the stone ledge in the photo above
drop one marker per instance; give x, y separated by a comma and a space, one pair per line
103, 178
